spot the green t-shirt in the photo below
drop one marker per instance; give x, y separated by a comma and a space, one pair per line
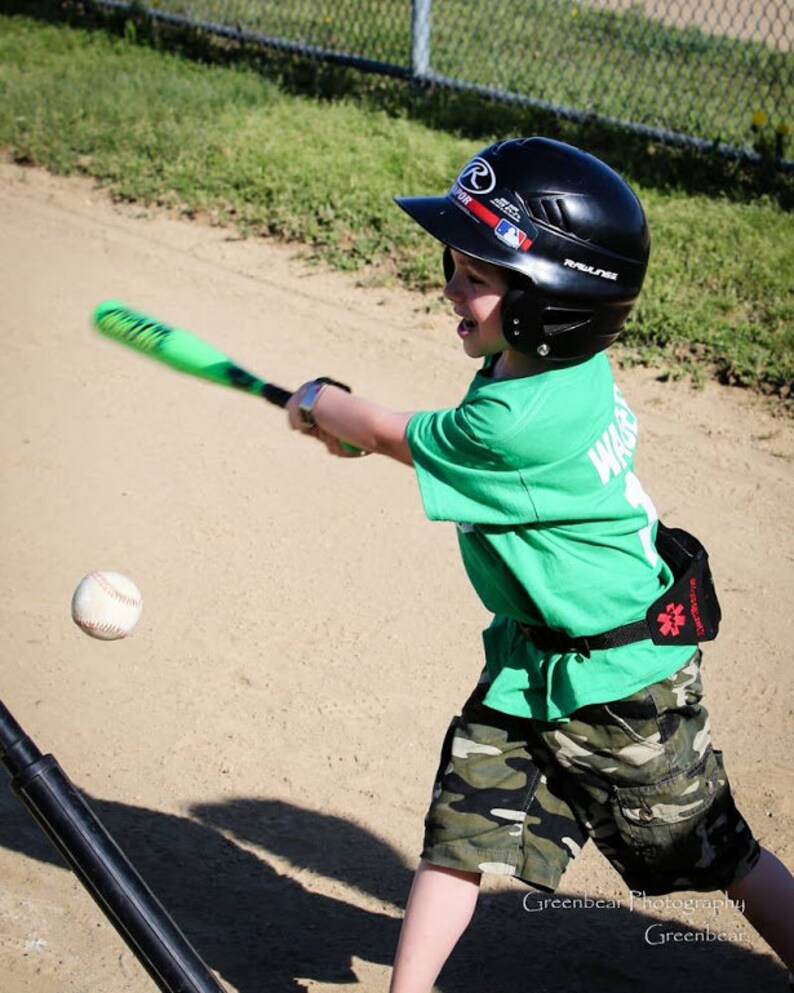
554, 529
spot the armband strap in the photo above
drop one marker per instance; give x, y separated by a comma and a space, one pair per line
688, 613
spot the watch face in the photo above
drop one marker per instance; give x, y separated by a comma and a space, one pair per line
308, 400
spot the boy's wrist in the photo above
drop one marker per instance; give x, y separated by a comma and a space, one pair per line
311, 393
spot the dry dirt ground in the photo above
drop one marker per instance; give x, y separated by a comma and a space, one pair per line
263, 745
770, 22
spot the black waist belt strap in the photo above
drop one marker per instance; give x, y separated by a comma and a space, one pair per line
688, 613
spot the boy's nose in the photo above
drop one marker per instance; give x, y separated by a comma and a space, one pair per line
452, 289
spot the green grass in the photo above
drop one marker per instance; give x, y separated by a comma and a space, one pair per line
152, 126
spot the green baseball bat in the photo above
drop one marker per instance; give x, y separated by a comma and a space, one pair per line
186, 352
180, 349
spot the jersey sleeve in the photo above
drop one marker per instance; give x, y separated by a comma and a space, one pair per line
465, 469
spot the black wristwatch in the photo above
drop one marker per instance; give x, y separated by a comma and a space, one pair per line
312, 394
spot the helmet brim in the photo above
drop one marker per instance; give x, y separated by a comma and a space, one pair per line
455, 227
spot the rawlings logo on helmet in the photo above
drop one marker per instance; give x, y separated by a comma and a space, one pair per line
591, 270
477, 177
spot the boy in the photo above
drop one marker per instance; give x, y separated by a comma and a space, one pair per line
587, 720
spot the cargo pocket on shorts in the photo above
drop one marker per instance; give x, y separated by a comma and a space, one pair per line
637, 718
663, 823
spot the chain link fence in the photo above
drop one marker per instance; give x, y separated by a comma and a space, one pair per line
714, 74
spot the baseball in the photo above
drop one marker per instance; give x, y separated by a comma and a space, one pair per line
106, 605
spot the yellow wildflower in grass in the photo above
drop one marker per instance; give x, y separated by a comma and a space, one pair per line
759, 118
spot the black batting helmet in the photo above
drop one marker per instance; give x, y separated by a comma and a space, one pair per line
567, 226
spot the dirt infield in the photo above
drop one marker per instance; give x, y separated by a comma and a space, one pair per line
263, 745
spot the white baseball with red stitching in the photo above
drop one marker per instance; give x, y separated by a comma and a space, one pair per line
106, 605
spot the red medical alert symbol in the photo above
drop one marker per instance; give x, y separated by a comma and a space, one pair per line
671, 619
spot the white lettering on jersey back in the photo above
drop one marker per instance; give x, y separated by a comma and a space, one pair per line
613, 451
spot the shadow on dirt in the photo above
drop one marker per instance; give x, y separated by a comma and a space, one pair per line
265, 931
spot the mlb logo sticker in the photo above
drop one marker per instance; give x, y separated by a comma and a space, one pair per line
509, 234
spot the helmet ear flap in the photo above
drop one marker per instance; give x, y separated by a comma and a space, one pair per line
540, 326
522, 321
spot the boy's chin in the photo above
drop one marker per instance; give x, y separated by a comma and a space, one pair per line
472, 345
476, 350
473, 352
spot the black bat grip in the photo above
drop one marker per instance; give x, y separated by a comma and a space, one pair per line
275, 394
279, 396
101, 866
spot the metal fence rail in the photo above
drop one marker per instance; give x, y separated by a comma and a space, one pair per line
714, 74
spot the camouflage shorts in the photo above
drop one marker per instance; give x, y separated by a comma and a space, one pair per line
639, 776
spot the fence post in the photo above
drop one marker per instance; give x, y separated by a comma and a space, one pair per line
420, 38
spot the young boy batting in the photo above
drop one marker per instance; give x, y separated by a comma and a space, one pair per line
587, 721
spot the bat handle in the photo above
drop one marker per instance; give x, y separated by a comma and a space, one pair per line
275, 394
